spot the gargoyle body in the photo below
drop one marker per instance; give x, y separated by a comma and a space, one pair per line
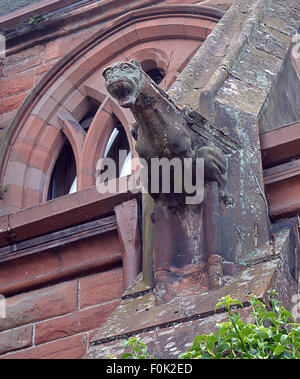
161, 129
181, 256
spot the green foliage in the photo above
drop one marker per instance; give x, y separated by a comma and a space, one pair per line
34, 20
273, 335
139, 350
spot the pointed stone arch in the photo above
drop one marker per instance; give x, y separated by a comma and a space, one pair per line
53, 109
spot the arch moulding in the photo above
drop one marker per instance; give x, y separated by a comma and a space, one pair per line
165, 36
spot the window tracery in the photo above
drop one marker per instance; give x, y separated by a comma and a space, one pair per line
75, 107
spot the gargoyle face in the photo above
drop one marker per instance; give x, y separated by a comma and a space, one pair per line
124, 81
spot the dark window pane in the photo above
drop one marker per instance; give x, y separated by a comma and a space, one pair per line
64, 173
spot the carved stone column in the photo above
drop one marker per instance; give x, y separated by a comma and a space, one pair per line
129, 234
179, 252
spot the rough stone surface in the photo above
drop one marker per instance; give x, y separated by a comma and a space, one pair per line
8, 6
183, 316
222, 4
15, 339
282, 106
240, 75
222, 81
72, 347
165, 132
40, 304
168, 343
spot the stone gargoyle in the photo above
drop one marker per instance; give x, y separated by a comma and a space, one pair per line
186, 238
162, 129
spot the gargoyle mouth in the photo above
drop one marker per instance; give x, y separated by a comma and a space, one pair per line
123, 91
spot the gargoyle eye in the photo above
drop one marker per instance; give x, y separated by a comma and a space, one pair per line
107, 72
125, 66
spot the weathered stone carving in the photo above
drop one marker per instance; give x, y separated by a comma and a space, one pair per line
162, 130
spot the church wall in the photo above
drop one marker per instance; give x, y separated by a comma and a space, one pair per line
65, 264
61, 291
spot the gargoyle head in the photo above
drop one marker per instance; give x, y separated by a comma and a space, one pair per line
124, 81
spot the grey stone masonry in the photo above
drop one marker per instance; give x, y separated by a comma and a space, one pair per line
9, 6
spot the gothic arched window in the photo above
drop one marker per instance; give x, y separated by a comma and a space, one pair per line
59, 235
71, 118
63, 179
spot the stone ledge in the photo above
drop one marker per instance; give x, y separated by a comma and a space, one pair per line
167, 342
183, 318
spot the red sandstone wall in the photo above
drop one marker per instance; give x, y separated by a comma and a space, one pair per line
20, 72
53, 320
50, 314
48, 322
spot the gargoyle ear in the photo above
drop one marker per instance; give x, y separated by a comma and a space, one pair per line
136, 63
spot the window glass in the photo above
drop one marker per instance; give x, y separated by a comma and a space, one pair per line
63, 180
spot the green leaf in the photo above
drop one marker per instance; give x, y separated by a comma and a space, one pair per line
219, 304
279, 349
236, 317
272, 336
246, 331
223, 347
126, 355
223, 331
283, 338
287, 315
200, 339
